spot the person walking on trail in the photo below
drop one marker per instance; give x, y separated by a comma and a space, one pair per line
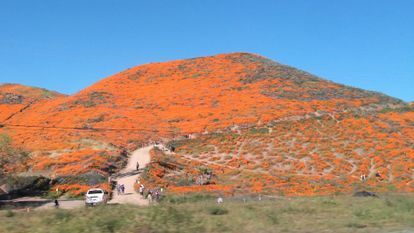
363, 177
137, 166
157, 195
118, 189
149, 194
122, 188
56, 203
141, 190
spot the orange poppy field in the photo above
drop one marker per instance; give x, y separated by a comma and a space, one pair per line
258, 126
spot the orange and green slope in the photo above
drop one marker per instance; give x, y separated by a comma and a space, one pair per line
194, 95
72, 135
15, 98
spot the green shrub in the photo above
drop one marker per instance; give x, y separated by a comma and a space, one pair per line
177, 143
355, 225
170, 219
329, 201
404, 204
217, 210
185, 181
273, 217
9, 214
190, 198
259, 131
110, 225
63, 215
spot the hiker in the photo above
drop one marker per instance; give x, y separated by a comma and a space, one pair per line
378, 175
118, 189
56, 203
363, 177
219, 200
209, 175
137, 166
149, 192
157, 195
122, 188
149, 197
200, 180
141, 190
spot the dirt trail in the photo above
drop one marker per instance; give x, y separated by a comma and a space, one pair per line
128, 177
63, 204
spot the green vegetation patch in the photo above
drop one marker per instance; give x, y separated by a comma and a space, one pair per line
200, 213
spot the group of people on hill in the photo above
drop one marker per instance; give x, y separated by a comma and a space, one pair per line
378, 176
204, 178
120, 189
151, 194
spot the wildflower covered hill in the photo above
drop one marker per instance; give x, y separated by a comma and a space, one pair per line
83, 133
15, 98
194, 95
307, 156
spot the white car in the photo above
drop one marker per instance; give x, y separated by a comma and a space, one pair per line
96, 196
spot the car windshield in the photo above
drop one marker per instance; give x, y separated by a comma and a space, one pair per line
95, 192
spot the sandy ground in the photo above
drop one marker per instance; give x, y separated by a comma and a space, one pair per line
128, 177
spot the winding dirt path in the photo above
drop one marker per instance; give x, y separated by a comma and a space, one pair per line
128, 177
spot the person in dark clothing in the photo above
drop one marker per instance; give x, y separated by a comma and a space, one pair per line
56, 203
137, 166
122, 188
378, 175
157, 195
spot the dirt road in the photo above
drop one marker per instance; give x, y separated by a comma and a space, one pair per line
64, 204
128, 177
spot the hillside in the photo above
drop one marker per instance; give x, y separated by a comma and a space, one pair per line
194, 95
15, 97
247, 114
315, 156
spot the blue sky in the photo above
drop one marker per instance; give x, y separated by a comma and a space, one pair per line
68, 45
